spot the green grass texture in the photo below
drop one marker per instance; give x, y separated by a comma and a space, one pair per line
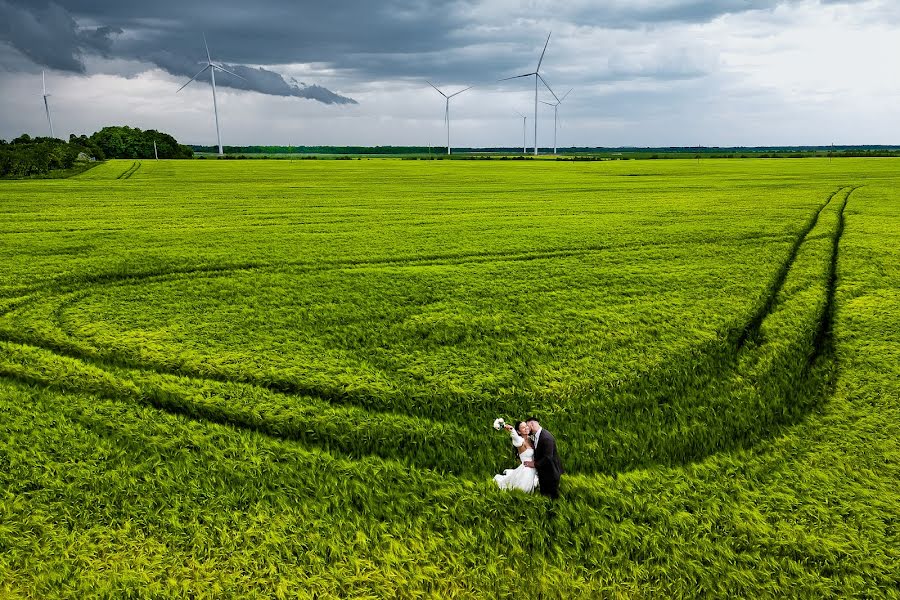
275, 379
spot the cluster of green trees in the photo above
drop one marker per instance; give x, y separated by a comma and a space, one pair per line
26, 156
131, 142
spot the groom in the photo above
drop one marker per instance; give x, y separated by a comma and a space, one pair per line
546, 460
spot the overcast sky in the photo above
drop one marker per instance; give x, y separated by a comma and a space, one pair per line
352, 72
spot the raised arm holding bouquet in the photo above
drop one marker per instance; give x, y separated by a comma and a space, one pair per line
523, 477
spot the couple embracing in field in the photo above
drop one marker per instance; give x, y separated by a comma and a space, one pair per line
539, 464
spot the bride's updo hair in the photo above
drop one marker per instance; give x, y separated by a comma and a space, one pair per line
519, 424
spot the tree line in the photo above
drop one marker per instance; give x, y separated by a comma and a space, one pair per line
26, 156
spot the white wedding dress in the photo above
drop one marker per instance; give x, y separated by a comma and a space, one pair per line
521, 478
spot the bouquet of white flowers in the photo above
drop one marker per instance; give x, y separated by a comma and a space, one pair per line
499, 423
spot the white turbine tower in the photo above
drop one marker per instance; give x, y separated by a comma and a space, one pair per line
47, 104
447, 108
537, 75
211, 66
524, 134
555, 106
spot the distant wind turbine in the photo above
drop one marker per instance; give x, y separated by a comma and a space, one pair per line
211, 66
47, 104
524, 134
555, 106
537, 75
447, 108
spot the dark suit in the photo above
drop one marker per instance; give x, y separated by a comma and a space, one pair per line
549, 467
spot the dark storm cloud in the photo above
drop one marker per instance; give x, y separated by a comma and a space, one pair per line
357, 39
48, 35
255, 79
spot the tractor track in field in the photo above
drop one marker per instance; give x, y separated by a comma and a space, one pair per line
100, 360
824, 340
69, 284
751, 329
713, 368
179, 398
130, 171
740, 338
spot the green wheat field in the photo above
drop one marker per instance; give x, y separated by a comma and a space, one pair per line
275, 379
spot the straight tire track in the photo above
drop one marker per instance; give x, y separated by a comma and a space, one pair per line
751, 329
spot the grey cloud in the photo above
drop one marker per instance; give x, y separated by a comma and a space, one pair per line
267, 82
257, 79
454, 41
685, 11
662, 65
48, 35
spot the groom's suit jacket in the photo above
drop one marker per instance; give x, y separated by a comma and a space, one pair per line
546, 459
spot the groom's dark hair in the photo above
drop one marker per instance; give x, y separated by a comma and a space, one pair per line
535, 419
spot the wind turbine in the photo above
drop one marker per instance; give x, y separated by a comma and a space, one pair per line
47, 104
524, 129
537, 75
447, 108
211, 66
555, 114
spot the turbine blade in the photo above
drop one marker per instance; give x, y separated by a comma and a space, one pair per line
221, 68
566, 94
517, 76
435, 87
460, 92
547, 103
209, 58
49, 120
194, 77
542, 53
547, 85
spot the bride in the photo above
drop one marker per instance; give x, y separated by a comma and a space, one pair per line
522, 477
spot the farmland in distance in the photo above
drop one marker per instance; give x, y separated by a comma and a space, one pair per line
273, 378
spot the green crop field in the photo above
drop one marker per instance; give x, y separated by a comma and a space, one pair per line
277, 379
